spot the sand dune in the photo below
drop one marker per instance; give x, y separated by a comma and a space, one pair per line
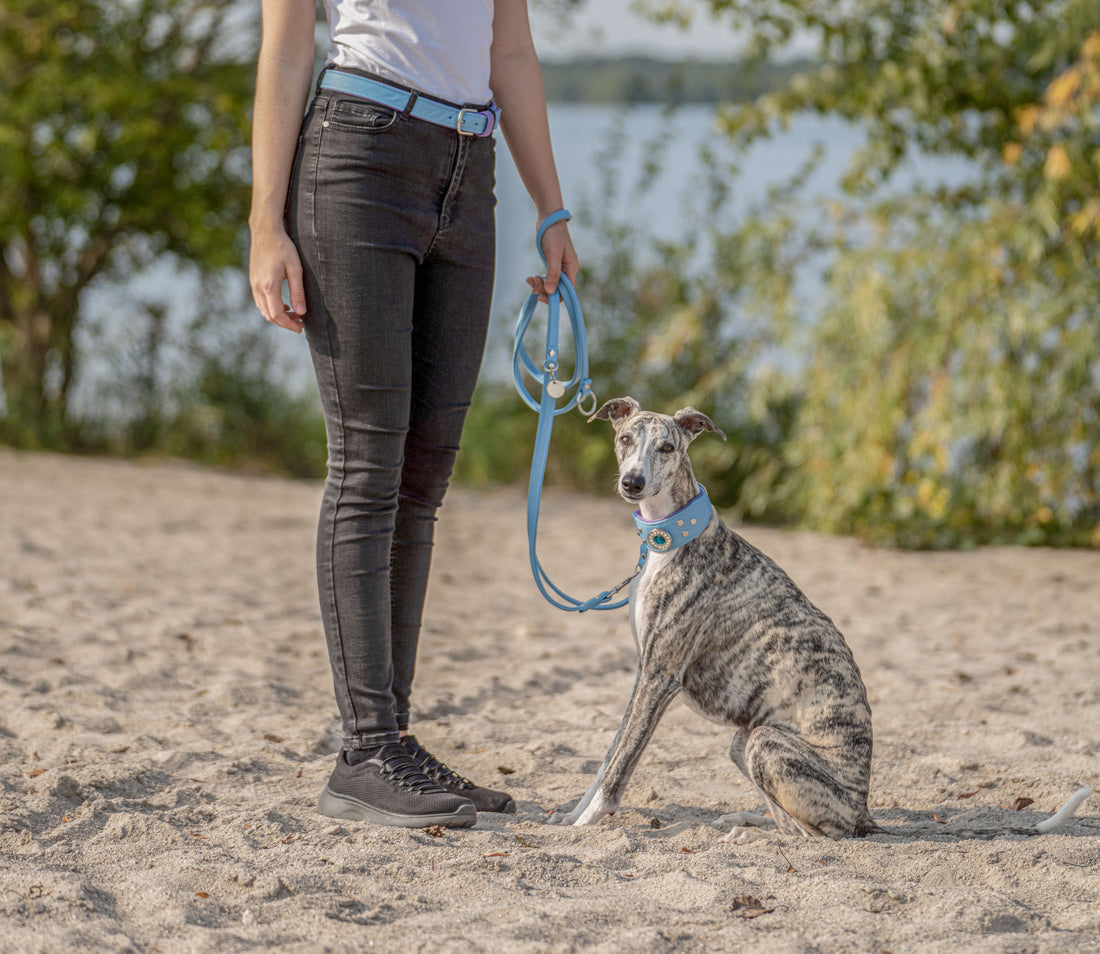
166, 723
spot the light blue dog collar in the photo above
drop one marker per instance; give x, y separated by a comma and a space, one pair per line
676, 529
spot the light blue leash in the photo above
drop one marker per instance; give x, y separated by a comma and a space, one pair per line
552, 390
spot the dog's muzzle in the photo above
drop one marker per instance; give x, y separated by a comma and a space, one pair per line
632, 485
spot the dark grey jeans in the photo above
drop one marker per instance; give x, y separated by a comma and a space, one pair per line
394, 221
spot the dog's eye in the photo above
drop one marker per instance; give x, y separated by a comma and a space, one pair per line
667, 447
626, 439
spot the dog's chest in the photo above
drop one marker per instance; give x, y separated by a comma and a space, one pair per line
644, 592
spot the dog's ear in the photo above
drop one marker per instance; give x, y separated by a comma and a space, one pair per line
695, 422
616, 410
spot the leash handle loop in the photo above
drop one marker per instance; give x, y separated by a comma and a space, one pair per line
551, 390
562, 215
546, 373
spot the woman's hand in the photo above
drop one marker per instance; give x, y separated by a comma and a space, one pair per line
561, 257
272, 259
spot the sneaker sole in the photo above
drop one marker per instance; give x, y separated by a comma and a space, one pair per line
342, 806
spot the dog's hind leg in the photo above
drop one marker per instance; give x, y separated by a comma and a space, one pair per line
741, 820
805, 794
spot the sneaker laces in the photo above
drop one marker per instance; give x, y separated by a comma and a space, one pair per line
435, 770
399, 765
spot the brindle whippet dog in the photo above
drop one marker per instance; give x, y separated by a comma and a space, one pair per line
718, 622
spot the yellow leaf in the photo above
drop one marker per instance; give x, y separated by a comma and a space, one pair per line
1057, 165
1063, 88
949, 22
1027, 118
1090, 49
1011, 153
1085, 219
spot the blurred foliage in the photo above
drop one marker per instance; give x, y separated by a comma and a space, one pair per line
953, 387
944, 388
195, 383
950, 399
239, 415
213, 391
123, 137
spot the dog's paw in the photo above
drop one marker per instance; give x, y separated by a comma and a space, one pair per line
588, 811
745, 836
746, 820
600, 806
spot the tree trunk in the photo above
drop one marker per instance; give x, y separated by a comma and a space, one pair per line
25, 350
38, 356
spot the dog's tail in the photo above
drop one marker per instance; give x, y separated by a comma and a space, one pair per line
1065, 813
1055, 822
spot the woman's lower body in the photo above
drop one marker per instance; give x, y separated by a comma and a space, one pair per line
394, 221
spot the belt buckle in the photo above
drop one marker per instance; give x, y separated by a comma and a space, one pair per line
458, 121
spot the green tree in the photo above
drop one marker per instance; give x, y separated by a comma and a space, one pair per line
949, 392
123, 137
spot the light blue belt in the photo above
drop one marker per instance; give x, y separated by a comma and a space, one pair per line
465, 120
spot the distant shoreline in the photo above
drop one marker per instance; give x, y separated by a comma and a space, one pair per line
643, 79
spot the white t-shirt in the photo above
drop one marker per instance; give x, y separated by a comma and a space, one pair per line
438, 47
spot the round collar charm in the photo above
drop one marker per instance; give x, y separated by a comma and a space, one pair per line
659, 540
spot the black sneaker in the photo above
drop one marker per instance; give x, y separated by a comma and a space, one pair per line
485, 799
389, 788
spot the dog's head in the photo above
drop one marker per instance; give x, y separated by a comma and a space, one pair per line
651, 447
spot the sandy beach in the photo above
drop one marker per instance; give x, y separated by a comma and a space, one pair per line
167, 722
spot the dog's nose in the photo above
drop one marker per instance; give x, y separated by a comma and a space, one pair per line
633, 484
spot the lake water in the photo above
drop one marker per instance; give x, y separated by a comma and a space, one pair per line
588, 139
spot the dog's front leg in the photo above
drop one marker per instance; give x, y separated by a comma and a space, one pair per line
651, 696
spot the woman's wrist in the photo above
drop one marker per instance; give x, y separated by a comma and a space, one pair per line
266, 223
543, 212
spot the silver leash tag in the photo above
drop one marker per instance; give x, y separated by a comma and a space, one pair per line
555, 389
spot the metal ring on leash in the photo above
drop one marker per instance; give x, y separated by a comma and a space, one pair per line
551, 391
587, 393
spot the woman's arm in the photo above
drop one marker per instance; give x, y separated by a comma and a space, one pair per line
516, 81
282, 86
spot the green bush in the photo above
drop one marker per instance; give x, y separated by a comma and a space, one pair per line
951, 400
239, 417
